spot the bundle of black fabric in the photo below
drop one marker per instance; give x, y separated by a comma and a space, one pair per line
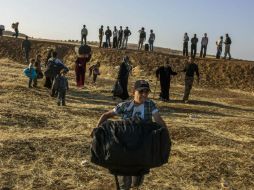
130, 148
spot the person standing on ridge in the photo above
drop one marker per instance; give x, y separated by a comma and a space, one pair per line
185, 45
84, 33
26, 47
219, 44
101, 33
194, 42
204, 43
227, 47
151, 40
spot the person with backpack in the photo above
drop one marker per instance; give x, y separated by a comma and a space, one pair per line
151, 40
219, 44
142, 38
108, 34
194, 42
61, 85
185, 45
126, 34
84, 33
190, 69
204, 43
101, 34
15, 26
120, 37
54, 66
163, 74
123, 77
227, 43
26, 47
140, 108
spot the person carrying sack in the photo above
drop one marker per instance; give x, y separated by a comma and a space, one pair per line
139, 109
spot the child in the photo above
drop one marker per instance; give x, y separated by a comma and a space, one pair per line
95, 70
32, 74
61, 86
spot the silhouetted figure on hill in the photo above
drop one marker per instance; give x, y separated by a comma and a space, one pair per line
15, 26
151, 40
120, 37
84, 33
219, 44
126, 34
185, 44
194, 42
204, 43
142, 38
2, 28
101, 33
163, 74
227, 43
189, 70
26, 48
108, 34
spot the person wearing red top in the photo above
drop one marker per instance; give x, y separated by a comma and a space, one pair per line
80, 69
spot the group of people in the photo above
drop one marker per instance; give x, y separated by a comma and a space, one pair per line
120, 37
204, 43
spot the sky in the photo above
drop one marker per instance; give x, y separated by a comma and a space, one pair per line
170, 19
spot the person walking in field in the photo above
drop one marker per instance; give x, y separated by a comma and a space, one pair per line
115, 34
190, 69
26, 47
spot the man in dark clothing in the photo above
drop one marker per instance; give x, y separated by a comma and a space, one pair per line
189, 70
101, 33
26, 47
163, 74
84, 33
15, 26
126, 34
123, 77
142, 38
115, 34
194, 42
108, 34
204, 43
227, 47
120, 37
185, 44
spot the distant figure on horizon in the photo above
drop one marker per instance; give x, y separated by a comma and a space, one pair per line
151, 40
26, 47
84, 33
120, 37
189, 70
194, 42
142, 38
126, 34
227, 43
108, 34
15, 26
185, 45
101, 33
163, 74
2, 28
204, 43
219, 44
115, 34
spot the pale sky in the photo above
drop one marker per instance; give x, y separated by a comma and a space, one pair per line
170, 19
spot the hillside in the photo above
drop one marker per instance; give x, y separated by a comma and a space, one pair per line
42, 145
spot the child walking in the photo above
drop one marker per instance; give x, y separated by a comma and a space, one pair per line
31, 74
94, 69
61, 85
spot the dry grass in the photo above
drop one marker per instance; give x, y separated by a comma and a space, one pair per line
42, 145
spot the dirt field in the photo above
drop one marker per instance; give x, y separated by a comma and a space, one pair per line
42, 145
